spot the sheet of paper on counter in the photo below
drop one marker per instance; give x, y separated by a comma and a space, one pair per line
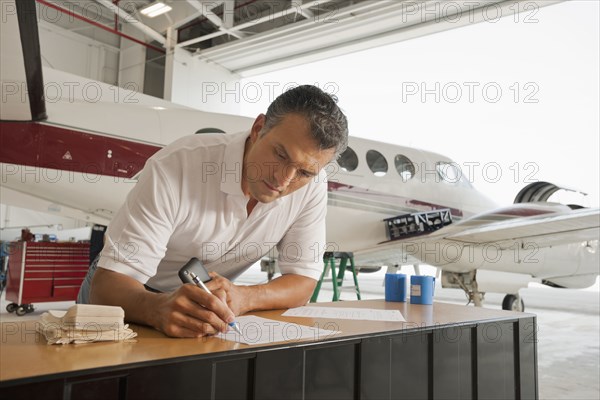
257, 330
365, 314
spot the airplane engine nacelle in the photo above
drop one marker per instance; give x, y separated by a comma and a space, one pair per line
541, 192
571, 282
587, 258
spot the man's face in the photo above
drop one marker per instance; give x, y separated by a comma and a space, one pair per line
282, 160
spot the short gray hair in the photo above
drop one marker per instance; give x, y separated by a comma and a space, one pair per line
328, 123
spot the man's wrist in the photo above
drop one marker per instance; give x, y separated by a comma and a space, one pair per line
249, 296
148, 309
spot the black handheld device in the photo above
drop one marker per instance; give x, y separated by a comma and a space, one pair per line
195, 266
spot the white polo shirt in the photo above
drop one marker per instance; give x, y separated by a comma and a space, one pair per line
188, 203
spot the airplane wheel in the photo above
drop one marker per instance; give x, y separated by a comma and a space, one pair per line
11, 307
512, 303
21, 311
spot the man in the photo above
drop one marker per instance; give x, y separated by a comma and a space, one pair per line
225, 199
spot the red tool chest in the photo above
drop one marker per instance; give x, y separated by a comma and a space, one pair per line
39, 272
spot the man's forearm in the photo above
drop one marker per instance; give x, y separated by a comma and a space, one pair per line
286, 291
115, 289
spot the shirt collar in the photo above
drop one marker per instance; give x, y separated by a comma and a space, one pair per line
231, 168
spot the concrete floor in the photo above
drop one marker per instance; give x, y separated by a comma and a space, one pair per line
568, 330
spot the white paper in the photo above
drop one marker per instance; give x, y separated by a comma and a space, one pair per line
365, 314
257, 330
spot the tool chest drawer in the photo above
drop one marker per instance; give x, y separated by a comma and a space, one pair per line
45, 271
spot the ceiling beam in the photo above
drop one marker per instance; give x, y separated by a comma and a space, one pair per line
125, 16
228, 10
362, 26
206, 10
295, 9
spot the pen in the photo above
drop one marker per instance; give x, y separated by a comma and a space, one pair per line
201, 285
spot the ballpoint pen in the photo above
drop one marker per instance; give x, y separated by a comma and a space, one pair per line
201, 285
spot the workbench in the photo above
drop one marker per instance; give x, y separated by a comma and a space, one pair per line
443, 351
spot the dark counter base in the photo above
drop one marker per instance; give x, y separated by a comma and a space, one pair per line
493, 360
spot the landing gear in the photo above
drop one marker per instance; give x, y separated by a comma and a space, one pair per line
20, 310
513, 302
476, 296
269, 265
467, 282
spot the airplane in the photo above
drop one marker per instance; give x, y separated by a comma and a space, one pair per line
78, 154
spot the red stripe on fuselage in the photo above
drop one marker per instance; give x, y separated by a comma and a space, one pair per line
524, 211
47, 146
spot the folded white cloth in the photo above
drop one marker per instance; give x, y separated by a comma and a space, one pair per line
84, 323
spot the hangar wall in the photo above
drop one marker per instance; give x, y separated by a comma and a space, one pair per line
132, 61
38, 222
189, 80
200, 84
71, 52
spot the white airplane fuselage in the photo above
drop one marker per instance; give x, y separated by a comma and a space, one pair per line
83, 161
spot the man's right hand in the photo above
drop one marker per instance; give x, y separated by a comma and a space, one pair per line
192, 312
187, 312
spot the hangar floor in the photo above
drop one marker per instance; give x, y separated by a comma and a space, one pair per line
568, 322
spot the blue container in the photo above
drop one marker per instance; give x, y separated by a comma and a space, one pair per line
395, 287
421, 289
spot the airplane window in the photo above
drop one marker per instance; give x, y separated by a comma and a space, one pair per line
405, 167
449, 171
348, 160
377, 163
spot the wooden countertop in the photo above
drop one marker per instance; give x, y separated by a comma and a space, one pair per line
25, 354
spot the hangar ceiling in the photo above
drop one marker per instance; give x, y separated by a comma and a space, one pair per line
249, 37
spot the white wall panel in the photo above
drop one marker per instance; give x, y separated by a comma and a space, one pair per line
203, 85
70, 52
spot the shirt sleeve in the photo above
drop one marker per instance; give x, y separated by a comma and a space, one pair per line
301, 249
137, 237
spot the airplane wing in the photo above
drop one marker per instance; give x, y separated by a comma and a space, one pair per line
548, 227
544, 230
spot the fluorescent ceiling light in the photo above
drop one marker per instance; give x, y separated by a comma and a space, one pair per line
155, 9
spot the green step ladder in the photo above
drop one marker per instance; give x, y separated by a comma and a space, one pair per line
330, 259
